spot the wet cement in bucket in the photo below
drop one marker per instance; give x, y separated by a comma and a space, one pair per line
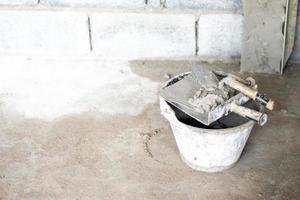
229, 121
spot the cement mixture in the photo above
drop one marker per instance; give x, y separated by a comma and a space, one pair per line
207, 99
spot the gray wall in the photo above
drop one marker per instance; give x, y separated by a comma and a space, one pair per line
296, 53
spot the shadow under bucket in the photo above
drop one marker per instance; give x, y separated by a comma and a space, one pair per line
211, 148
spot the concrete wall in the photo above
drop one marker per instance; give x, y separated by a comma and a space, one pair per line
126, 29
36, 37
295, 57
263, 36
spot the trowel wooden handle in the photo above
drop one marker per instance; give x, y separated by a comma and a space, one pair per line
260, 118
253, 94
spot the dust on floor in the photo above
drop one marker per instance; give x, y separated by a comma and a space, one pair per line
94, 156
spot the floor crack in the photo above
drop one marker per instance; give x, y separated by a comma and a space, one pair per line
146, 140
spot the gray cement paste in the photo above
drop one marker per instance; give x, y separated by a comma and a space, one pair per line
206, 99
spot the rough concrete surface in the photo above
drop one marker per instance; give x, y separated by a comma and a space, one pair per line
18, 2
165, 34
263, 35
291, 29
44, 32
220, 36
154, 3
230, 5
143, 35
97, 3
296, 52
95, 155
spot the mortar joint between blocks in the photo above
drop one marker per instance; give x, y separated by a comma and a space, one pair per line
163, 3
90, 33
196, 36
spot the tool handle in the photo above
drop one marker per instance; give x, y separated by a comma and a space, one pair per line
261, 99
260, 118
253, 94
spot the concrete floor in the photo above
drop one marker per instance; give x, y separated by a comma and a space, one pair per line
98, 156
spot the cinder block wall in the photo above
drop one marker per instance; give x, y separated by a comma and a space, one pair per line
125, 29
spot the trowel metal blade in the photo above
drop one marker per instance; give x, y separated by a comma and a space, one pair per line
179, 93
205, 76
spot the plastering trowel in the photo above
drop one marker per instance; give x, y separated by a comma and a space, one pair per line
179, 92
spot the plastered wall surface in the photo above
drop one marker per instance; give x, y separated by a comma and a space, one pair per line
291, 30
263, 36
205, 4
295, 57
220, 35
44, 32
143, 35
120, 29
18, 2
96, 3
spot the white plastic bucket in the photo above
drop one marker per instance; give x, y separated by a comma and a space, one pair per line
209, 150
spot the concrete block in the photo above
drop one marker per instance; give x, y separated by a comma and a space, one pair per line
97, 3
220, 36
43, 32
296, 52
295, 57
132, 36
263, 36
154, 3
291, 30
18, 2
205, 4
